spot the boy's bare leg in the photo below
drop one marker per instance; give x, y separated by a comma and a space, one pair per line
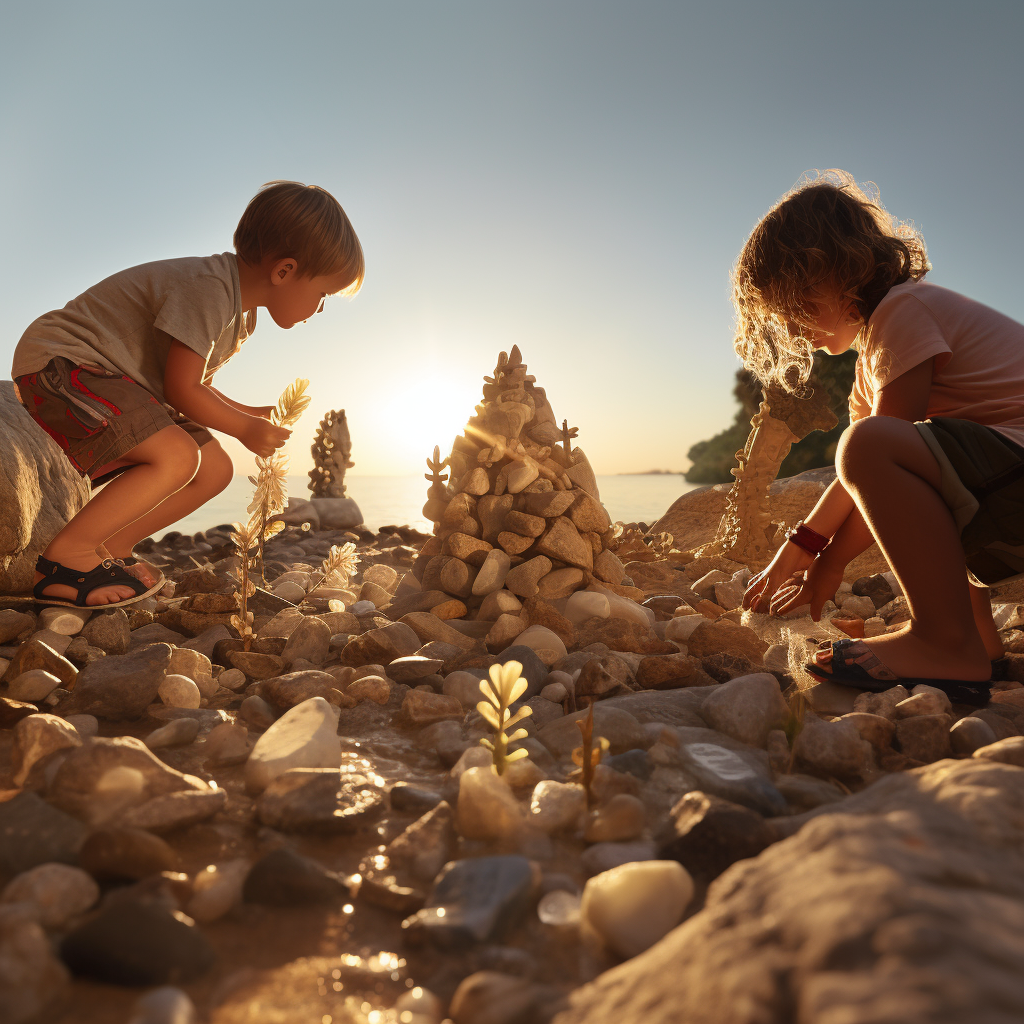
164, 463
894, 479
214, 474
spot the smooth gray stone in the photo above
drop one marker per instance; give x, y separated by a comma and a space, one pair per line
481, 898
119, 687
283, 878
32, 832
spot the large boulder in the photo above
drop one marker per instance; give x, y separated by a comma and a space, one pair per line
693, 517
39, 492
903, 903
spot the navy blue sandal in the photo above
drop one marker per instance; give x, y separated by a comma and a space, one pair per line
107, 574
854, 664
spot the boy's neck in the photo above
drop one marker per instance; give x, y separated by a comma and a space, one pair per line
253, 285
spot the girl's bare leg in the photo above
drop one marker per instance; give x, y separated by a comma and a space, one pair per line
163, 464
214, 474
982, 605
894, 479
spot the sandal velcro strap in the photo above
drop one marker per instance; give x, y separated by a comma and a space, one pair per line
108, 573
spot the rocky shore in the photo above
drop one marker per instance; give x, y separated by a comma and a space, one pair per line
311, 830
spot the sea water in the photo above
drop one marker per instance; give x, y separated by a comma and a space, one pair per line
398, 500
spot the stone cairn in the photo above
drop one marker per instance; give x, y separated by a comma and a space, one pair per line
746, 533
519, 515
332, 450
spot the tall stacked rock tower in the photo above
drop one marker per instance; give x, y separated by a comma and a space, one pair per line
519, 516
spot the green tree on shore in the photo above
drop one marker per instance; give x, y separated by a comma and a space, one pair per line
713, 459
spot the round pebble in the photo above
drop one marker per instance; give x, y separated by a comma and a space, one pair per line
165, 1005
179, 692
57, 891
363, 608
216, 889
85, 725
231, 679
559, 908
173, 734
34, 685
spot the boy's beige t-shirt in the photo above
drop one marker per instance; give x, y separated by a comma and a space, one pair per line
127, 322
979, 356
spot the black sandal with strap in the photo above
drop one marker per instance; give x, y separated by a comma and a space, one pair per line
108, 573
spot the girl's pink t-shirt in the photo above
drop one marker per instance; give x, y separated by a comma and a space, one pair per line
979, 356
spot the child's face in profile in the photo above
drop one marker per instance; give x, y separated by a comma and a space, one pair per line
834, 321
296, 299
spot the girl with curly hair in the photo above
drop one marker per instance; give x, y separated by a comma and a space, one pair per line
932, 465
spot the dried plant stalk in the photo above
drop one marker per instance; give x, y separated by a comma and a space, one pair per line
245, 540
337, 568
291, 404
586, 756
505, 686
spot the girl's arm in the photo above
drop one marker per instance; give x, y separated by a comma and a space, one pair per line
905, 397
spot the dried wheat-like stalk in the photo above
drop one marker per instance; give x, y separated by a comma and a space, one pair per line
337, 568
291, 404
244, 538
270, 499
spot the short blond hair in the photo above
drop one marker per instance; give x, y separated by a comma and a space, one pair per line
287, 218
827, 232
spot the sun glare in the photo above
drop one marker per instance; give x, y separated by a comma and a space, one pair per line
430, 410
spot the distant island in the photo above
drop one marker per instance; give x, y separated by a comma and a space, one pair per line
654, 472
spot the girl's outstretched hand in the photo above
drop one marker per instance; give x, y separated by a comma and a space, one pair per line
817, 584
788, 560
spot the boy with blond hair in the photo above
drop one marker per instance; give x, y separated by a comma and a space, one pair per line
121, 379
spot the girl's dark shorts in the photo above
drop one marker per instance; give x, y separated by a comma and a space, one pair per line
983, 485
95, 415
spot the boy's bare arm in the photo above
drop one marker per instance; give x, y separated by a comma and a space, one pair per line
262, 411
185, 391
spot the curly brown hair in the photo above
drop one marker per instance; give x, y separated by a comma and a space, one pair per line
827, 232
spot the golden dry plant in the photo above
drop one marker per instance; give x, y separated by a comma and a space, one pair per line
336, 570
244, 538
587, 757
504, 687
270, 497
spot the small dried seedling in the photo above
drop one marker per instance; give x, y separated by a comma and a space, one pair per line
794, 724
245, 540
336, 570
505, 686
587, 756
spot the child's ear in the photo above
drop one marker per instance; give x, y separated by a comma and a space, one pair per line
283, 269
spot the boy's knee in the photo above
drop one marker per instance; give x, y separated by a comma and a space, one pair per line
216, 467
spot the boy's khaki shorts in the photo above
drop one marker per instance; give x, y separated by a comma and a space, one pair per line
96, 416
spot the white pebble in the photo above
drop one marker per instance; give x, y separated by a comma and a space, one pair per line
634, 905
166, 1005
216, 889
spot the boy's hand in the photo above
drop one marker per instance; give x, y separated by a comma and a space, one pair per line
788, 560
263, 438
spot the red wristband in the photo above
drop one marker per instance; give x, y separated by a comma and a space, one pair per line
810, 540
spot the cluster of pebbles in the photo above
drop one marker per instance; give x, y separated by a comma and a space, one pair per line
308, 828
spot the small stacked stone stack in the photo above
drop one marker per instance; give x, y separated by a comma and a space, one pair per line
520, 515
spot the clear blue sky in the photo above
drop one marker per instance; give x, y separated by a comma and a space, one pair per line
574, 177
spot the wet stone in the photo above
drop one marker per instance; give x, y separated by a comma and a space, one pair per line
283, 878
475, 900
325, 800
707, 834
131, 942
116, 854
404, 796
175, 810
32, 832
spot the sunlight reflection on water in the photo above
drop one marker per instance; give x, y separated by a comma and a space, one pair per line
398, 500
